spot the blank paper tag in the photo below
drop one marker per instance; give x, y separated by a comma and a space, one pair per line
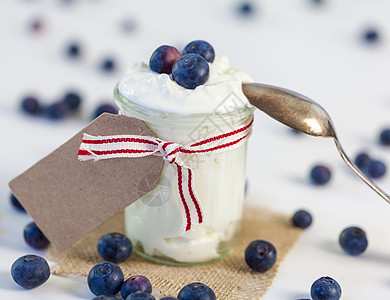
68, 198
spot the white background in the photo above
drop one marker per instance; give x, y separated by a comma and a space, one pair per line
313, 49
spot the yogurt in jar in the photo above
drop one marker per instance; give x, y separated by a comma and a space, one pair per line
182, 115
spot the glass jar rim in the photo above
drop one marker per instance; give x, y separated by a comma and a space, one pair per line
150, 114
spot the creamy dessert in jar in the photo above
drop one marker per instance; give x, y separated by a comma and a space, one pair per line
193, 103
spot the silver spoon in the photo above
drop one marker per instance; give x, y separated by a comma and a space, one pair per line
302, 114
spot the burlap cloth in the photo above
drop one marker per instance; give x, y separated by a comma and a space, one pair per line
230, 277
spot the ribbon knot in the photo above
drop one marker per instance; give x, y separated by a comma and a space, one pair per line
133, 146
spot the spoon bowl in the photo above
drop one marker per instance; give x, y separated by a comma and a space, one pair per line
302, 114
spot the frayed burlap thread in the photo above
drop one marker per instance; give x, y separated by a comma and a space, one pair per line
230, 277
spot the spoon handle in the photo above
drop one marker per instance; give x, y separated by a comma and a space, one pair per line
359, 173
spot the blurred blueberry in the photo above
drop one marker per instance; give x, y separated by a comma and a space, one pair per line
108, 297
36, 25
34, 237
246, 8
57, 110
362, 160
169, 298
106, 107
30, 271
302, 219
30, 105
15, 203
320, 175
384, 137
376, 169
353, 240
73, 50
108, 65
371, 36
72, 100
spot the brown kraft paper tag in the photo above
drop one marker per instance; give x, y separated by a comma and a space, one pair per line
68, 198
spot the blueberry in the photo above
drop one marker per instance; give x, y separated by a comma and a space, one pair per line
134, 284
30, 271
325, 288
36, 25
163, 59
320, 175
371, 35
376, 169
202, 48
72, 100
260, 255
302, 219
105, 278
106, 107
140, 295
246, 8
34, 236
114, 247
16, 203
57, 111
384, 137
31, 105
190, 71
353, 240
169, 298
73, 50
108, 65
107, 297
362, 160
196, 290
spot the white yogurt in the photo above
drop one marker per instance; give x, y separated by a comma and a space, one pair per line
149, 89
155, 220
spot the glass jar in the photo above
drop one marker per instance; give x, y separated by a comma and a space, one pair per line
153, 223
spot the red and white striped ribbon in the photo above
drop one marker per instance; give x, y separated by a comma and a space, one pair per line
133, 146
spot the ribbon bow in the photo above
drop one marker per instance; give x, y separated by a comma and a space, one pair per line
133, 146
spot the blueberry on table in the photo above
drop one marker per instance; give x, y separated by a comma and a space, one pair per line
134, 284
325, 288
73, 50
34, 236
376, 169
107, 297
196, 290
353, 240
246, 8
108, 65
371, 35
30, 105
302, 219
114, 247
362, 160
260, 256
72, 100
190, 71
202, 48
30, 271
384, 137
57, 111
106, 107
163, 59
105, 278
320, 175
140, 295
15, 203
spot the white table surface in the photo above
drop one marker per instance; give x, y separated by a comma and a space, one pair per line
315, 50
